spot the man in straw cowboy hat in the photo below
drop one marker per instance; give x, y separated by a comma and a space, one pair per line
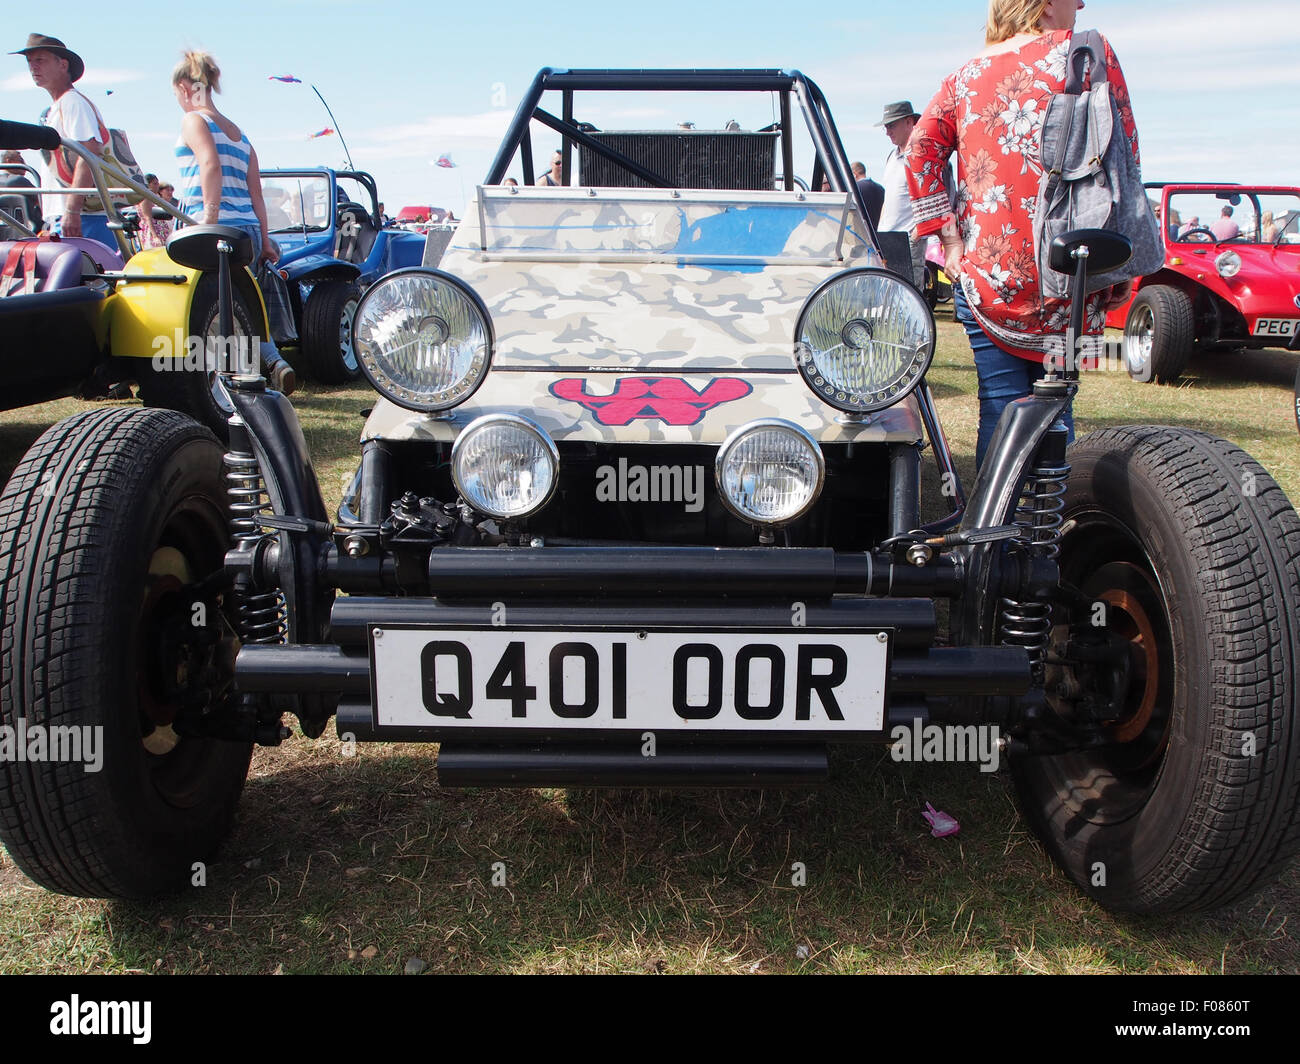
54, 67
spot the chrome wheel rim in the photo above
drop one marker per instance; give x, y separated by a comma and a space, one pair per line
1139, 338
346, 351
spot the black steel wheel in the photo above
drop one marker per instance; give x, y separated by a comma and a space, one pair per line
1190, 554
1297, 399
113, 531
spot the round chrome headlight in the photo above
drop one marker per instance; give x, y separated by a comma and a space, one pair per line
423, 339
769, 472
504, 466
1228, 264
863, 340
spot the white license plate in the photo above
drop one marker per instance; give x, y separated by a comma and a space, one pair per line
1275, 326
810, 680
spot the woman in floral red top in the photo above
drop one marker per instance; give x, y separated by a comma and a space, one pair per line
990, 112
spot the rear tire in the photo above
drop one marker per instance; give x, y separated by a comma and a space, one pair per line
1297, 399
191, 385
327, 332
1195, 802
106, 526
1158, 334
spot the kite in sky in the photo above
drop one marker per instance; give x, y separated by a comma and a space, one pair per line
445, 162
328, 131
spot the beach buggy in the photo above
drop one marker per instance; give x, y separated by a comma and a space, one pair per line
639, 504
1230, 280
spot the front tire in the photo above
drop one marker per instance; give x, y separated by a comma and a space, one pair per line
327, 332
107, 527
1158, 334
1194, 800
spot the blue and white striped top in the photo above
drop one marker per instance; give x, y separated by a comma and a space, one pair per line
236, 206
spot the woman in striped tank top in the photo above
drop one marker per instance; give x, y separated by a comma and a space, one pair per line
220, 182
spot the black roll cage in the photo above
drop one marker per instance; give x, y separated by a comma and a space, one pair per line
830, 162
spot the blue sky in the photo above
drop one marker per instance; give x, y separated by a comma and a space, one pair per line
1215, 87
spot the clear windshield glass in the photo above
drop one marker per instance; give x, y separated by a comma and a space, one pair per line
351, 190
706, 226
297, 204
1234, 216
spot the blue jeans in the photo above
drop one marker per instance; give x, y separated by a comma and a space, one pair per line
270, 353
1003, 377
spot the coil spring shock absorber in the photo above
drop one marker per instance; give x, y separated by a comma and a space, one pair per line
1028, 623
262, 616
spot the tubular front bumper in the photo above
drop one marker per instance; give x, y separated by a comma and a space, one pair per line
923, 681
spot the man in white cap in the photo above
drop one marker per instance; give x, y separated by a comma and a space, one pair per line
54, 68
896, 213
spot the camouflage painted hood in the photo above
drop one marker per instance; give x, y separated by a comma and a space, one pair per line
651, 279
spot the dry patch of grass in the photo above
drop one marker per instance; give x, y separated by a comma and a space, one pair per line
361, 864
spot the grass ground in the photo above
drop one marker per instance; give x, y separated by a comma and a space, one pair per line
361, 864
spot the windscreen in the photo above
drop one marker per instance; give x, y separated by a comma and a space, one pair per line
1234, 216
295, 204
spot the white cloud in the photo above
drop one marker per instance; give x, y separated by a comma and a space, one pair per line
436, 134
1209, 30
149, 136
95, 78
107, 77
631, 112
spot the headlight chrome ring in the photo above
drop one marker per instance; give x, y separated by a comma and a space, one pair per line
863, 340
1228, 264
423, 338
505, 466
769, 472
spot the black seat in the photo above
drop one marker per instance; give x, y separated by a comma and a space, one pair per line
357, 233
1107, 250
17, 208
196, 247
896, 248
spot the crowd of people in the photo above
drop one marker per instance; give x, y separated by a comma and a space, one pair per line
56, 68
219, 178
